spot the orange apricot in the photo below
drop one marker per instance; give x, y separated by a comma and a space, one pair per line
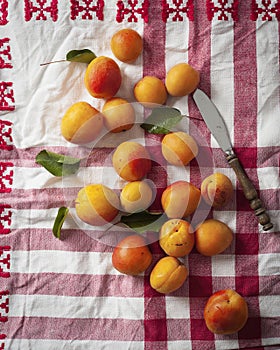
126, 45
132, 256
131, 161
176, 237
118, 114
182, 79
168, 275
217, 190
226, 312
103, 77
212, 237
180, 199
149, 91
179, 148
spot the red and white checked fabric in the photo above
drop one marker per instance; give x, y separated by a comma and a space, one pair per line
65, 294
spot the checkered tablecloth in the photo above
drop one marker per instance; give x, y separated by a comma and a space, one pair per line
65, 294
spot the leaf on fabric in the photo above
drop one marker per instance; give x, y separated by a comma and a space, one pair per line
58, 164
162, 120
59, 220
83, 56
144, 221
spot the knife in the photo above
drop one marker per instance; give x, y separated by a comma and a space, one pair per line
216, 125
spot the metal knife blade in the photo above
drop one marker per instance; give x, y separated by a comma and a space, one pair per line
213, 120
216, 125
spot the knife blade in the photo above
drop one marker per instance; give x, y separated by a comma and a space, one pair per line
217, 126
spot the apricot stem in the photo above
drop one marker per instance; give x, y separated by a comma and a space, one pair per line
46, 63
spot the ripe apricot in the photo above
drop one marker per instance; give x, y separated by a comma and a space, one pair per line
179, 148
131, 161
182, 79
126, 45
118, 114
97, 204
212, 237
132, 256
103, 77
176, 237
136, 196
168, 275
225, 312
81, 123
180, 199
149, 91
217, 190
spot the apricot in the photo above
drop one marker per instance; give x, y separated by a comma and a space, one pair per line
225, 312
119, 115
132, 256
97, 204
149, 91
217, 190
176, 237
179, 148
103, 77
131, 161
168, 275
182, 79
136, 196
126, 45
180, 199
212, 237
81, 123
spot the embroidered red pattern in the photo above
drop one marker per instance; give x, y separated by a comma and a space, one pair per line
42, 9
2, 345
6, 139
6, 177
4, 305
132, 10
5, 264
6, 96
266, 10
3, 12
5, 54
86, 8
5, 219
177, 10
222, 9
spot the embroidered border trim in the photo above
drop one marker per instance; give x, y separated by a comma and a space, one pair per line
178, 10
265, 10
132, 10
86, 9
7, 103
42, 8
3, 12
223, 10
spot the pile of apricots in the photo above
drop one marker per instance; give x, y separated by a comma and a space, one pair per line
96, 204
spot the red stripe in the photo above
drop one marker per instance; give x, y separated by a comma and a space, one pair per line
72, 328
43, 239
154, 64
77, 285
41, 198
245, 136
199, 58
26, 157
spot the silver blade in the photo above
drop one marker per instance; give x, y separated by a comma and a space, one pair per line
213, 120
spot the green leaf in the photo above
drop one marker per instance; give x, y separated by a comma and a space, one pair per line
59, 220
144, 221
83, 56
58, 164
162, 120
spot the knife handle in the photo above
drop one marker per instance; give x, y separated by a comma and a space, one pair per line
250, 192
